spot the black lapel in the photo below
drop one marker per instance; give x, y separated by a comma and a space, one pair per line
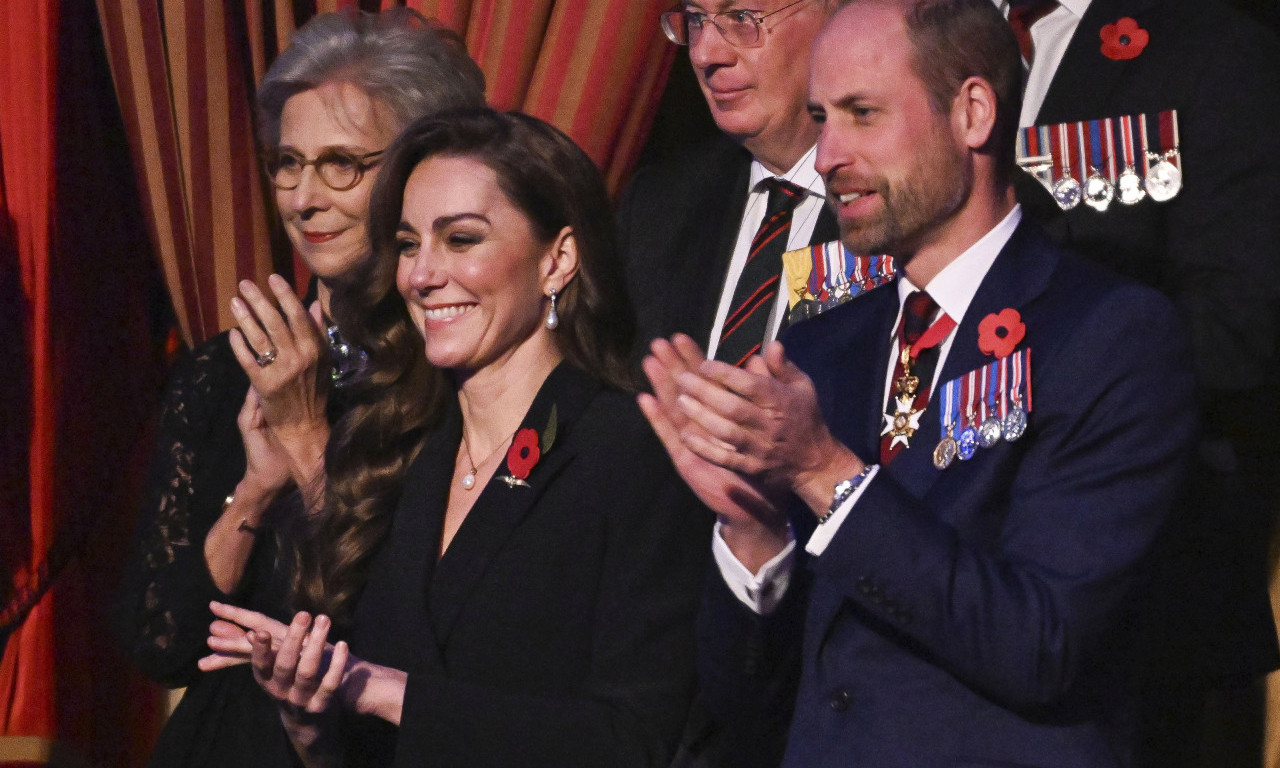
500, 507
1083, 85
1019, 274
409, 556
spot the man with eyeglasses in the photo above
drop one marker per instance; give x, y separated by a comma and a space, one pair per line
704, 235
1207, 236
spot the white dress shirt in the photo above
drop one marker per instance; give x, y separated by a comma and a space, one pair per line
803, 219
953, 289
1049, 38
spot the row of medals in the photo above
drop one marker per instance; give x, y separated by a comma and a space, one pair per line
988, 434
906, 420
1163, 182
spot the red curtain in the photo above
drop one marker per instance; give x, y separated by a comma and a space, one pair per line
184, 71
80, 374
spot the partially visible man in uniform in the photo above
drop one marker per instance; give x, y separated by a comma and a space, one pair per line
985, 450
1209, 238
703, 235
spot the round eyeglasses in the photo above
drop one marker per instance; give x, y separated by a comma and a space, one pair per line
740, 27
338, 169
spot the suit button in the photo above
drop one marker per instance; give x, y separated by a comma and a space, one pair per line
840, 701
865, 586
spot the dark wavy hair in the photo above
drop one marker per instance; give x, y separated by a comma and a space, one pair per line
400, 395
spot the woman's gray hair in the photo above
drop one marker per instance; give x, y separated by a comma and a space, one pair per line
395, 57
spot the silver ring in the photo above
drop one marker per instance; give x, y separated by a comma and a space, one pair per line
266, 358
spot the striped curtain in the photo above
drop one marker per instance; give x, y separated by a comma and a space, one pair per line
184, 72
78, 378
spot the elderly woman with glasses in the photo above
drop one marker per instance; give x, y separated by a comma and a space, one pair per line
247, 414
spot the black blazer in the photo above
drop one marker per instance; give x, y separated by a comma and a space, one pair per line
677, 226
557, 629
1215, 250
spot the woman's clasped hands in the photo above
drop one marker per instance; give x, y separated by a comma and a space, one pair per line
294, 663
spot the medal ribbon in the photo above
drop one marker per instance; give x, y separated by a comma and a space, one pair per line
1081, 148
1110, 148
817, 275
1004, 387
1097, 159
949, 413
1146, 146
1126, 134
1169, 137
992, 374
1061, 150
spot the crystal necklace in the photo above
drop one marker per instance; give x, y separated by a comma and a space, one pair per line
469, 480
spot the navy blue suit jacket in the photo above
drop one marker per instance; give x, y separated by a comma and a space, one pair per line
982, 614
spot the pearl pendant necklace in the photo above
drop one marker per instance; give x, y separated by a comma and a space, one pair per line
469, 480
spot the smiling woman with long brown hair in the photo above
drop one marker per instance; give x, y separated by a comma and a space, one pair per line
519, 561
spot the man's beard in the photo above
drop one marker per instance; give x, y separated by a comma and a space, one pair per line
911, 209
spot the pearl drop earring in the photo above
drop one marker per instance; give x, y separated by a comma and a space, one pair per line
553, 319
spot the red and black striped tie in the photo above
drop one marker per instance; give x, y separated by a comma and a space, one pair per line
757, 288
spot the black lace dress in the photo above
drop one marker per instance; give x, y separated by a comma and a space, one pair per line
163, 616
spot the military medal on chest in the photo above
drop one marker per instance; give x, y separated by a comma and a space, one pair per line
824, 276
1099, 188
1130, 182
905, 420
1080, 162
984, 408
901, 425
1066, 190
1164, 160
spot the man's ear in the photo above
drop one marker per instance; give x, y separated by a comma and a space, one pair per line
973, 112
560, 263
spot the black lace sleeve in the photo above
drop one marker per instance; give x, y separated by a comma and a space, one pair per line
162, 613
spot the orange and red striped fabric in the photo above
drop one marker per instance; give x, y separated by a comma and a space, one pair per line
593, 68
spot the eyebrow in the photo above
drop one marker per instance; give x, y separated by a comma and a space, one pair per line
847, 102
443, 221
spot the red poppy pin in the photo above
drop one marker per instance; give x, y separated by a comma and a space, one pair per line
526, 451
999, 333
1123, 40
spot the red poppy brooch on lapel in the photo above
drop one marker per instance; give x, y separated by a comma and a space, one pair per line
999, 333
1123, 40
526, 451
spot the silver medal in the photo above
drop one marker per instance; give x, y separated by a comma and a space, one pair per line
989, 432
1098, 192
1067, 192
1130, 184
1015, 423
1164, 181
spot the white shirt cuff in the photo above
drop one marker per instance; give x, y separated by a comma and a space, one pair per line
826, 531
761, 592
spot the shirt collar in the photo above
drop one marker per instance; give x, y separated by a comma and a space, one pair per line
954, 287
802, 174
1076, 7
